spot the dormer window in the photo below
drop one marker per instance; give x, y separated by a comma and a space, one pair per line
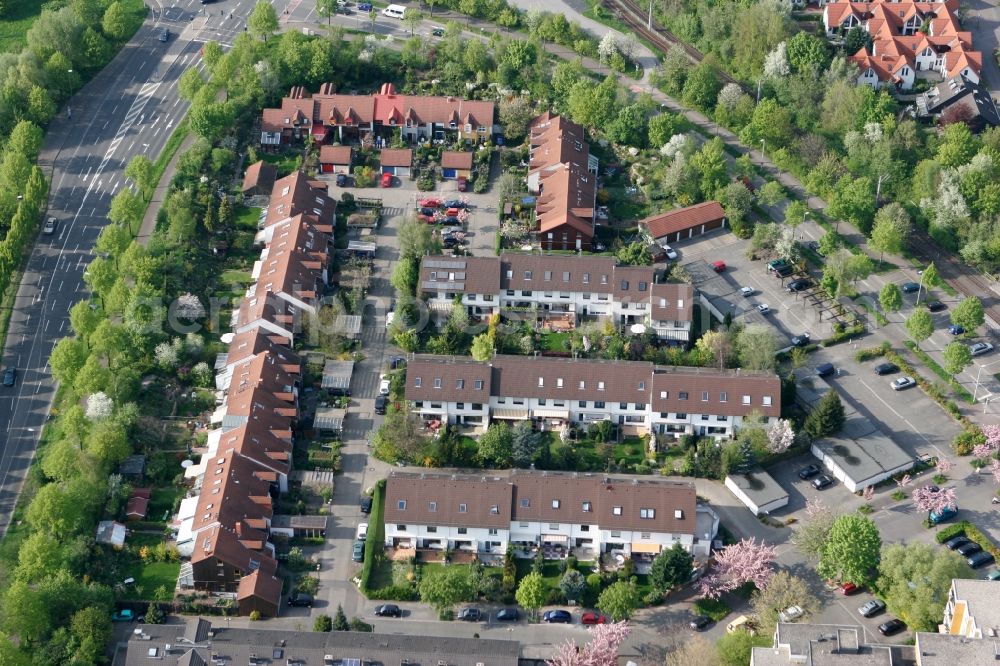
548, 276
417, 381
559, 382
555, 504
452, 125
437, 382
401, 505
432, 507
527, 276
495, 509
460, 383
541, 381
463, 508
392, 121
479, 385
586, 507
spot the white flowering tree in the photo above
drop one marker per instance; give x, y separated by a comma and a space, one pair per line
677, 145
202, 374
776, 63
99, 406
927, 499
730, 96
188, 306
166, 355
948, 208
601, 650
780, 436
736, 565
608, 47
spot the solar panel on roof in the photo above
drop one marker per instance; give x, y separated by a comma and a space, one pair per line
438, 263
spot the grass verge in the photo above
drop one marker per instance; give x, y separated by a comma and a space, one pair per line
713, 608
18, 18
940, 372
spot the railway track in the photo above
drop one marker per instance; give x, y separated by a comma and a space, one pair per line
632, 15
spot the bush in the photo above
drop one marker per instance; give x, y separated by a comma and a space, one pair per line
967, 440
972, 532
393, 593
843, 334
254, 615
713, 608
872, 352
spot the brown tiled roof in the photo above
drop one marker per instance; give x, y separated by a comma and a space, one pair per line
633, 283
559, 157
231, 492
288, 271
664, 300
671, 384
260, 174
136, 507
396, 157
296, 194
259, 445
463, 275
438, 499
672, 221
264, 370
226, 546
268, 307
260, 584
335, 155
256, 341
586, 274
345, 109
246, 399
456, 159
519, 377
447, 379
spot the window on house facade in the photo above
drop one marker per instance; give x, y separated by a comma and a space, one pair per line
623, 405
678, 514
624, 285
459, 405
584, 528
582, 404
598, 404
463, 530
642, 386
494, 531
400, 528
565, 276
663, 395
431, 529
583, 384
541, 402
645, 535
616, 535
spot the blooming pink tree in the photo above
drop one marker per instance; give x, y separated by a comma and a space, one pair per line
903, 481
995, 470
992, 443
602, 650
868, 493
927, 499
743, 562
944, 465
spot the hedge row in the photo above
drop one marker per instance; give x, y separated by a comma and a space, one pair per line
939, 371
972, 532
375, 541
873, 352
848, 333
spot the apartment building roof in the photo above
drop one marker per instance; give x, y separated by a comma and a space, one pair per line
671, 301
257, 341
710, 391
559, 158
288, 272
456, 159
552, 272
234, 492
386, 107
681, 219
823, 645
306, 648
296, 194
441, 499
264, 371
949, 650
396, 157
265, 306
572, 379
632, 283
299, 233
448, 379
980, 601
259, 445
463, 275
246, 402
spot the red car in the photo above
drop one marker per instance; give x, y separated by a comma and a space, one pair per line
592, 618
426, 219
848, 589
463, 183
719, 266
451, 212
387, 180
429, 203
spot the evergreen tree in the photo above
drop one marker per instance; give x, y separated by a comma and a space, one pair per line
225, 213
745, 458
827, 418
340, 622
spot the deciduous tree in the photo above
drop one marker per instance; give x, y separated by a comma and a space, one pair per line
443, 588
890, 297
531, 592
851, 552
756, 347
968, 313
920, 325
619, 600
115, 22
956, 357
782, 591
263, 20
743, 562
914, 580
891, 229
671, 567
496, 445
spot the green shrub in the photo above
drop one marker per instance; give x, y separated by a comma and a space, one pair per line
872, 352
713, 608
967, 440
843, 334
972, 532
393, 593
376, 535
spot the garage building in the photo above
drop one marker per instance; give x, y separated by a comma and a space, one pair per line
456, 164
676, 225
396, 161
758, 491
335, 159
859, 464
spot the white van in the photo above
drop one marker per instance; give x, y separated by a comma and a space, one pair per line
394, 11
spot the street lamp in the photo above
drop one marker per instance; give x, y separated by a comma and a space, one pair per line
878, 187
975, 391
763, 155
920, 286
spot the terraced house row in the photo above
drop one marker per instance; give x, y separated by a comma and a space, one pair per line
639, 397
224, 526
554, 286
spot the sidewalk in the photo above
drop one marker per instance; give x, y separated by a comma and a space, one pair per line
148, 225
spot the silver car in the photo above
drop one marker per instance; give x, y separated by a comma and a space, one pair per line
903, 383
980, 348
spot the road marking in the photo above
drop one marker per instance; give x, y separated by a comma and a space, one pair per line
898, 415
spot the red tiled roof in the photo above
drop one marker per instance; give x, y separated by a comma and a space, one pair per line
335, 155
440, 500
559, 160
680, 219
296, 194
256, 341
262, 585
260, 175
455, 159
396, 157
137, 507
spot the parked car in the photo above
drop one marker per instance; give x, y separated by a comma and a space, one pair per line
746, 291
362, 531
451, 222
808, 472
341, 180
50, 226
763, 308
940, 516
800, 340
968, 548
426, 219
428, 211
886, 369
847, 589
507, 615
890, 627
592, 618
388, 610
871, 608
980, 348
462, 183
955, 329
387, 180
798, 285
791, 613
300, 599
718, 266
449, 242
982, 558
903, 383
671, 252
909, 287
700, 622
936, 306
364, 6
124, 615
822, 481
383, 385
429, 203
396, 362
358, 551
557, 617
777, 264
366, 504
825, 370
437, 32
993, 575
381, 404
470, 615
9, 376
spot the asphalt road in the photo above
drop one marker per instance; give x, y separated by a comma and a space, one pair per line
129, 109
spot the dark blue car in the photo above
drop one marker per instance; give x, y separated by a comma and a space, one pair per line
557, 617
364, 6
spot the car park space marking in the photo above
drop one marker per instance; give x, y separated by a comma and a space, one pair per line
898, 415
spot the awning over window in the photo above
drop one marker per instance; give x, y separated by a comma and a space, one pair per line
510, 414
653, 548
555, 538
543, 413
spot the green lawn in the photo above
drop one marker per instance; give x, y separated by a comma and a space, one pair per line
19, 17
162, 501
557, 342
150, 577
246, 218
285, 162
235, 278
